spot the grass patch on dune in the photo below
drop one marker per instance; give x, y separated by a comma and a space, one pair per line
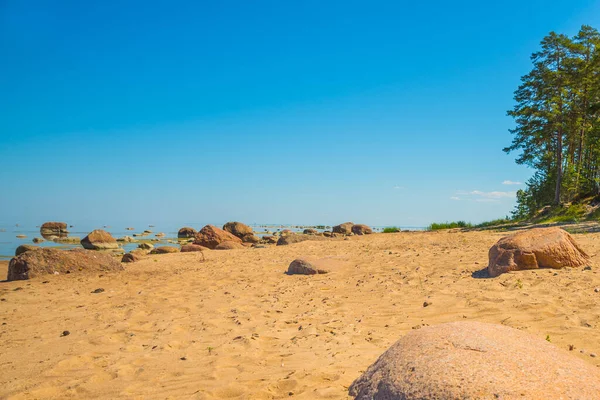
449, 225
391, 229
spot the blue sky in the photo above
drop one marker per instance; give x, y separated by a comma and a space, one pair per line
304, 112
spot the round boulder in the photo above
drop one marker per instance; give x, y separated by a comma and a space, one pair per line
361, 229
99, 240
133, 256
310, 231
210, 236
474, 360
237, 229
186, 232
535, 248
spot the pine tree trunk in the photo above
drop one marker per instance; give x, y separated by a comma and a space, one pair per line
559, 139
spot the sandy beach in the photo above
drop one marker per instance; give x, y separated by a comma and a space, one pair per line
237, 327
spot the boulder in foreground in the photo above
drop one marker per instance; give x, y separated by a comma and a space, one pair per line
99, 240
48, 261
24, 248
474, 360
305, 266
210, 236
535, 248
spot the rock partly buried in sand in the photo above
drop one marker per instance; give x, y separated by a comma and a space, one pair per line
474, 360
210, 236
99, 240
300, 237
344, 229
229, 245
310, 231
305, 266
270, 239
192, 247
49, 261
165, 250
133, 256
23, 248
536, 248
361, 229
186, 232
54, 229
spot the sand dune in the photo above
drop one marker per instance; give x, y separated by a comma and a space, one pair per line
237, 327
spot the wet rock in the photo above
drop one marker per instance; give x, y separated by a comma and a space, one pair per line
54, 229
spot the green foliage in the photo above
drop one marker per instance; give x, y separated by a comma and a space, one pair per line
449, 225
391, 229
495, 222
557, 116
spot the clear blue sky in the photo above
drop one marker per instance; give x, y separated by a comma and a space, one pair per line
382, 112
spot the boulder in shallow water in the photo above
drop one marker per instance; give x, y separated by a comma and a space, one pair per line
49, 261
37, 240
186, 232
145, 246
54, 229
99, 239
238, 229
535, 248
474, 360
310, 231
210, 236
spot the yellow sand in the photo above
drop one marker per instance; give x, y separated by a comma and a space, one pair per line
248, 331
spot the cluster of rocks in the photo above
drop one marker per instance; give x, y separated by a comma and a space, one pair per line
50, 230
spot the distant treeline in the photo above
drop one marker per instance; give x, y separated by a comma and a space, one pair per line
557, 116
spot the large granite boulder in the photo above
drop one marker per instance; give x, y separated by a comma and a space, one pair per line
53, 229
344, 229
474, 360
535, 248
361, 229
186, 232
242, 231
210, 236
99, 240
49, 261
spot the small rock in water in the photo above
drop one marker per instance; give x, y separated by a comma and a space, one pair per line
99, 290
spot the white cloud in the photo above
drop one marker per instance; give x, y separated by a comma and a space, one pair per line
492, 195
454, 198
508, 182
